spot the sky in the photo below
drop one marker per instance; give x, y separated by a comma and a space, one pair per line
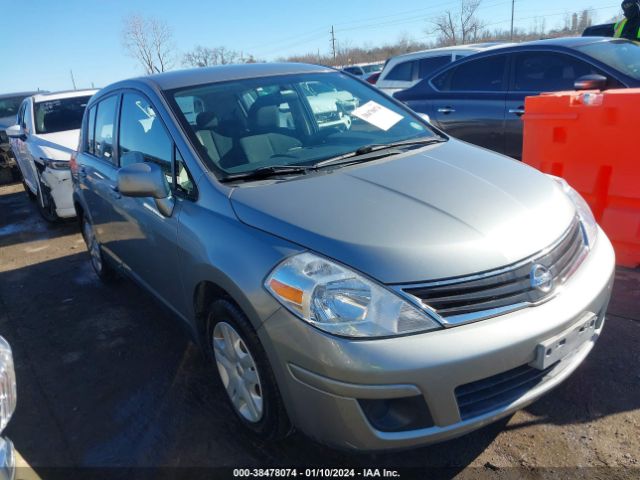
44, 40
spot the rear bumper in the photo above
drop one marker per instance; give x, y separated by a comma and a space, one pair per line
331, 377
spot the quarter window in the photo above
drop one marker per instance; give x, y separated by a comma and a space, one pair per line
482, 75
548, 71
105, 120
141, 130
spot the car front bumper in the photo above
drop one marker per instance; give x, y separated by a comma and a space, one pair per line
324, 380
59, 182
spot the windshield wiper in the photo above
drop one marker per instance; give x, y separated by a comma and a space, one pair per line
268, 171
352, 157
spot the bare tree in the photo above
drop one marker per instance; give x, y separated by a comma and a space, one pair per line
460, 26
150, 41
204, 57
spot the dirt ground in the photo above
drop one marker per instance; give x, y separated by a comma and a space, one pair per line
107, 378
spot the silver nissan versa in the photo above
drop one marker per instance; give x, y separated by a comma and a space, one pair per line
352, 271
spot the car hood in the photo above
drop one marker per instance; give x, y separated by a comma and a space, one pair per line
449, 210
58, 145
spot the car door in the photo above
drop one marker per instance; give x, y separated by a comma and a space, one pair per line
143, 239
20, 150
469, 100
534, 72
97, 168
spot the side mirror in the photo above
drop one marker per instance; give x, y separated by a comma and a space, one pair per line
590, 82
142, 179
16, 131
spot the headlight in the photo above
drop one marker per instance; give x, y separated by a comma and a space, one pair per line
55, 164
8, 392
340, 301
589, 223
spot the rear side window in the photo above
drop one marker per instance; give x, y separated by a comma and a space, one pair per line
89, 145
105, 121
548, 71
141, 130
403, 72
482, 75
427, 66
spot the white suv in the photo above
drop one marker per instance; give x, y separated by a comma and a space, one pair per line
43, 140
404, 71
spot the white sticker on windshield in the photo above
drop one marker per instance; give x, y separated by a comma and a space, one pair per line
377, 115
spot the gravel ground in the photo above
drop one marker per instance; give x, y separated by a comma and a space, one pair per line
107, 378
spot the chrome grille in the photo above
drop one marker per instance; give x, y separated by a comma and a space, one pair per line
468, 299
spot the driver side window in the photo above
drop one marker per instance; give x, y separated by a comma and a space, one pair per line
141, 130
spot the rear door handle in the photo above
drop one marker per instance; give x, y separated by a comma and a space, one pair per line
446, 110
82, 172
518, 111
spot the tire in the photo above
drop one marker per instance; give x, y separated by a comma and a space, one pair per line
105, 272
234, 347
46, 205
32, 196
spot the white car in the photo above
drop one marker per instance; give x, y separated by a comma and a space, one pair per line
43, 140
404, 71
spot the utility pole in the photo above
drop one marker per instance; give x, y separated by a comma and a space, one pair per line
513, 7
73, 80
333, 44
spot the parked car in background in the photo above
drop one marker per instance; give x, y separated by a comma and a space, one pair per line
480, 99
604, 30
43, 140
9, 104
373, 78
404, 71
364, 71
8, 399
402, 286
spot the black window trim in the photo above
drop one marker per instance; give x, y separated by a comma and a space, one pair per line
473, 58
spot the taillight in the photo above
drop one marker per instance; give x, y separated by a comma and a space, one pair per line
372, 79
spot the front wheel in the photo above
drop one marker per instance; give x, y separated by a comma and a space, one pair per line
46, 204
244, 371
103, 270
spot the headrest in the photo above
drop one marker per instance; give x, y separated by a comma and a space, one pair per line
206, 120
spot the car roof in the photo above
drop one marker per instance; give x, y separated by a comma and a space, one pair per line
43, 97
472, 47
222, 73
16, 94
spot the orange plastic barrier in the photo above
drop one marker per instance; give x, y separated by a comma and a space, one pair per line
592, 140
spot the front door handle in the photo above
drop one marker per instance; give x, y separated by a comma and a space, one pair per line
446, 110
115, 193
518, 111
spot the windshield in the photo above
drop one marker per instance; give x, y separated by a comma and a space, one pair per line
60, 115
621, 55
9, 106
300, 119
